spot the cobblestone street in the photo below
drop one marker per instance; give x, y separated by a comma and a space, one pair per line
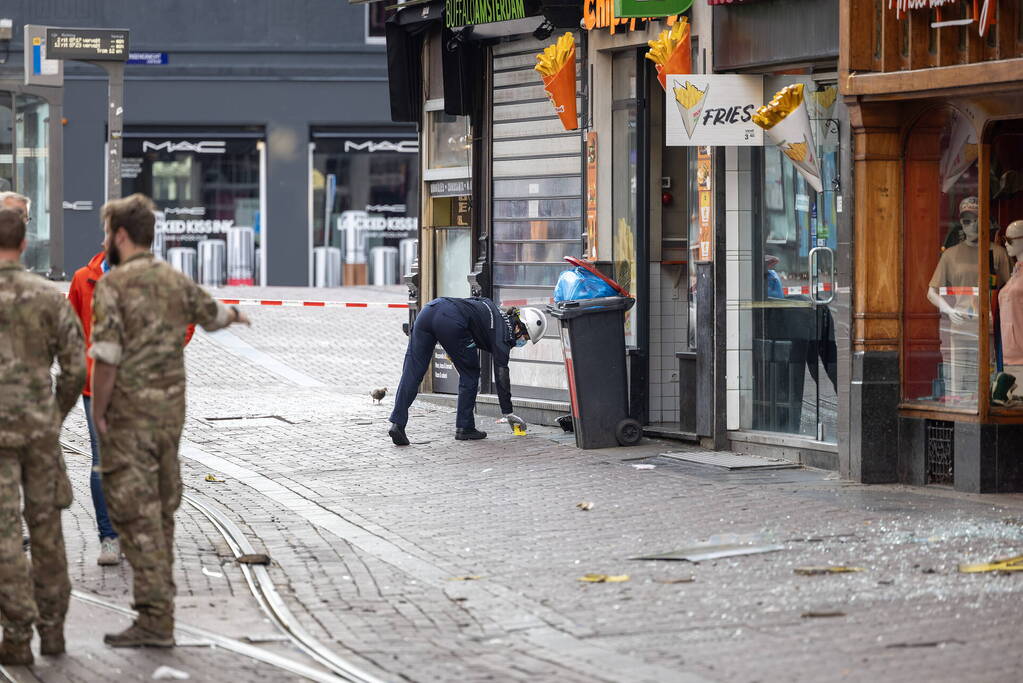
460, 561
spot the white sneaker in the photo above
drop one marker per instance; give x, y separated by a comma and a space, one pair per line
109, 552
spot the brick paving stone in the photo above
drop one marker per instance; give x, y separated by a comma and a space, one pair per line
365, 537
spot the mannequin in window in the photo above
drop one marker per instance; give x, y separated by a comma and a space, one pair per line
1010, 306
953, 291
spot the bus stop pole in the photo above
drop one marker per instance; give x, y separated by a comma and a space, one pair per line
115, 125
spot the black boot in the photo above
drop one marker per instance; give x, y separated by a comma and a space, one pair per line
397, 434
16, 653
51, 640
471, 434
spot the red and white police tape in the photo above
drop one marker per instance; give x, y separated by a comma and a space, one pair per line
311, 304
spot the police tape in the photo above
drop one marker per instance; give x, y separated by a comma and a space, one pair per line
298, 303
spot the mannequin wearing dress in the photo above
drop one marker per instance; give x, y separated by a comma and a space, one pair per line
953, 291
1010, 304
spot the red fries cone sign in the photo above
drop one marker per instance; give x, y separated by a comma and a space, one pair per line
786, 122
557, 66
671, 52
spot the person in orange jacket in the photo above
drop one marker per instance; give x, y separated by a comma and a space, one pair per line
80, 296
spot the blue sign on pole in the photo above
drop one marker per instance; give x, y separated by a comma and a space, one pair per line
150, 58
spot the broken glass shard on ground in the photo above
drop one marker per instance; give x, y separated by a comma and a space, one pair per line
712, 551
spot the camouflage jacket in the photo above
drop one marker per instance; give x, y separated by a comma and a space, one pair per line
140, 310
36, 325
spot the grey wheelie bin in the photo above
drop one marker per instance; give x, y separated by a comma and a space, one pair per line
593, 337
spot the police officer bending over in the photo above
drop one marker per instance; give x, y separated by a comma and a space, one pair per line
463, 327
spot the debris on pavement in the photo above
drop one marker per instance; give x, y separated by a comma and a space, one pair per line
688, 579
821, 614
1009, 564
708, 551
168, 673
931, 643
215, 575
644, 466
827, 569
253, 558
584, 506
603, 578
470, 577
213, 479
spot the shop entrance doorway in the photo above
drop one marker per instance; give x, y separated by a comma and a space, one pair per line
788, 357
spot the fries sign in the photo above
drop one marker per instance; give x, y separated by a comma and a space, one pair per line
556, 65
786, 120
713, 110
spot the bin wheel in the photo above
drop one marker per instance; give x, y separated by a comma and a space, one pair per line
628, 432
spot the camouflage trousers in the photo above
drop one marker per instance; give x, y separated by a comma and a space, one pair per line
38, 593
142, 486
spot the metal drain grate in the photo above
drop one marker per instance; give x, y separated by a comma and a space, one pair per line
940, 454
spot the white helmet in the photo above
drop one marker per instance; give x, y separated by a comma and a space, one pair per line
535, 323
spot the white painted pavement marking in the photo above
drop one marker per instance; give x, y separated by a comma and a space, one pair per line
517, 616
237, 345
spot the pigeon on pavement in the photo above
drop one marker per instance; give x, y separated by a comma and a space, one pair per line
378, 394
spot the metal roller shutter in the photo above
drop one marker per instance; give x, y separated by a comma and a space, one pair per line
537, 204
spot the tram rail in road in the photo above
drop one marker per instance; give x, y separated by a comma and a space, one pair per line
261, 585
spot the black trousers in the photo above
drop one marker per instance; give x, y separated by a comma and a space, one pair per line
440, 322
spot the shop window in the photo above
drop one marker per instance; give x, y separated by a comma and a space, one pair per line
376, 16
1006, 192
449, 143
207, 193
942, 252
24, 157
364, 208
625, 178
31, 158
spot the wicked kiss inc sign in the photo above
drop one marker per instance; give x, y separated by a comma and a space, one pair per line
714, 110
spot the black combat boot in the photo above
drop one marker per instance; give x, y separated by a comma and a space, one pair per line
397, 434
471, 434
139, 636
51, 640
16, 653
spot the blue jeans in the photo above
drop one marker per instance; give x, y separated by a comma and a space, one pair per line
95, 480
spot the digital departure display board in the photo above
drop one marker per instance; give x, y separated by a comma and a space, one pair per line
87, 44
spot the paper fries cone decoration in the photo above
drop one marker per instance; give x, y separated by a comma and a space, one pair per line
672, 53
689, 99
960, 152
825, 100
786, 122
557, 66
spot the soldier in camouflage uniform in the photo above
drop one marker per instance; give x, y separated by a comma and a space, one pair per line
36, 325
139, 314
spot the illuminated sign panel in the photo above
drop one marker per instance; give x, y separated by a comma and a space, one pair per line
87, 44
472, 12
648, 9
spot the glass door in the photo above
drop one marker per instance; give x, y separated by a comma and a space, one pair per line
788, 306
452, 257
